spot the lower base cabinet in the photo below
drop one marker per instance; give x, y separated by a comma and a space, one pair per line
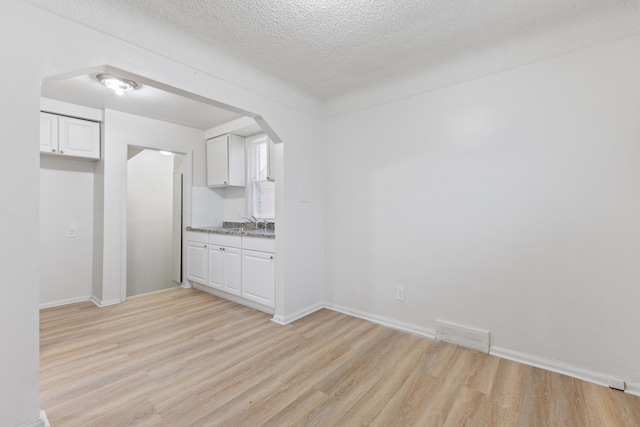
240, 266
224, 269
258, 277
197, 260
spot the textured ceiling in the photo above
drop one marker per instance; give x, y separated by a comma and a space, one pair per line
327, 48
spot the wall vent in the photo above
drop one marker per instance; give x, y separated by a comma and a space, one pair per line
476, 339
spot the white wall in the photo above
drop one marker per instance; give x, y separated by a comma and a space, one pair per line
208, 207
19, 163
36, 45
123, 130
149, 222
508, 203
66, 200
235, 203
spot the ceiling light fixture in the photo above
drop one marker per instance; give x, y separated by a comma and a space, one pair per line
117, 84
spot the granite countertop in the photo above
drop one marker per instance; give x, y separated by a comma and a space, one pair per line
236, 231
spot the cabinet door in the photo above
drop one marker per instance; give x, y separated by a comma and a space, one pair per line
217, 161
79, 138
216, 267
48, 133
258, 277
232, 271
197, 262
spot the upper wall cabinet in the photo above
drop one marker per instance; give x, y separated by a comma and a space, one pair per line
66, 136
226, 161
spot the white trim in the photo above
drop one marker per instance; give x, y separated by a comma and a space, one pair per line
100, 303
124, 154
43, 421
385, 321
539, 362
285, 320
561, 368
632, 388
64, 302
187, 184
187, 188
72, 110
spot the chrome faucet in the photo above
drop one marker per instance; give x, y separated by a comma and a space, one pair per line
253, 220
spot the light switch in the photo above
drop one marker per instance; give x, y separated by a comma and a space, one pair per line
72, 232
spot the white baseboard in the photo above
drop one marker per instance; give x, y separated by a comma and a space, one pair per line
527, 359
633, 388
64, 302
101, 304
385, 321
285, 320
43, 421
561, 368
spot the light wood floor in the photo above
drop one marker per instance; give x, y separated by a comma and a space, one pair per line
185, 358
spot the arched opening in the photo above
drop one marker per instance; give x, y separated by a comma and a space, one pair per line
155, 117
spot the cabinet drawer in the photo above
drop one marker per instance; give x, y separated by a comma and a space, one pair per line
224, 240
259, 244
194, 236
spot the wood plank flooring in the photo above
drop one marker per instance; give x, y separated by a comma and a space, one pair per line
185, 358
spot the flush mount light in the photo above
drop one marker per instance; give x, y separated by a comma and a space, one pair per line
117, 84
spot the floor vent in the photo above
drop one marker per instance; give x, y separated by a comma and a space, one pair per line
476, 339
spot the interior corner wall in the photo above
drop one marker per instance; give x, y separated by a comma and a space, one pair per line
19, 121
508, 203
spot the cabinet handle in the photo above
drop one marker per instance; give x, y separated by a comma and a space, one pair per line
271, 257
53, 150
222, 249
205, 246
225, 182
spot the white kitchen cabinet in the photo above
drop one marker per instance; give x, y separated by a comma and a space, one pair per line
225, 272
233, 271
258, 277
48, 133
241, 267
197, 262
226, 161
67, 136
215, 278
259, 270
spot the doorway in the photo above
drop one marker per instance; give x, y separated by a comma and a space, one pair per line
154, 220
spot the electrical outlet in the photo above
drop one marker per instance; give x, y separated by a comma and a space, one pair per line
616, 383
72, 232
400, 293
